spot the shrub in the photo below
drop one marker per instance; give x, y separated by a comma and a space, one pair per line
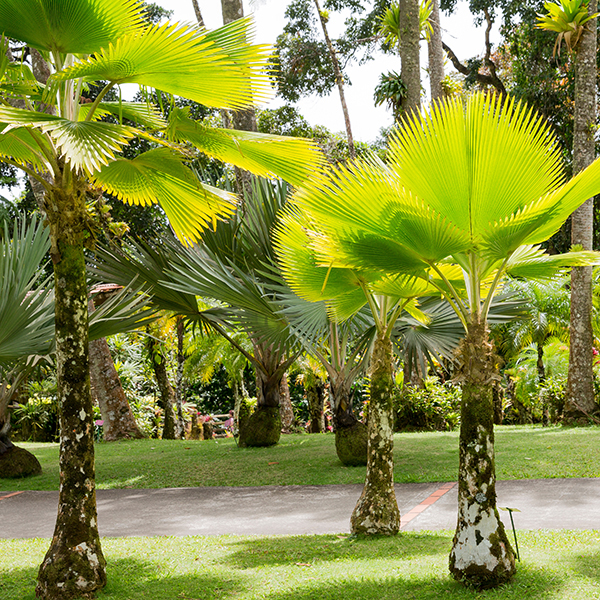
435, 407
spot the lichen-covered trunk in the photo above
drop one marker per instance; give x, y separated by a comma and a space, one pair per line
118, 420
74, 564
165, 390
376, 512
409, 54
481, 554
580, 388
436, 54
315, 397
351, 436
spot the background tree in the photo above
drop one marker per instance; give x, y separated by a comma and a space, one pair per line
575, 23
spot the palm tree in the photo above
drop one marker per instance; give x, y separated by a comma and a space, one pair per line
575, 23
61, 143
469, 190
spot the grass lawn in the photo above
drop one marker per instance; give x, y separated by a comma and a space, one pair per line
522, 452
563, 565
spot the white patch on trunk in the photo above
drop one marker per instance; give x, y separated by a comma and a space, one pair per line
82, 414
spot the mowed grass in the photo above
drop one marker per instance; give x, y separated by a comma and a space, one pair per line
522, 452
557, 565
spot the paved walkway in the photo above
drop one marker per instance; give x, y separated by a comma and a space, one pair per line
544, 504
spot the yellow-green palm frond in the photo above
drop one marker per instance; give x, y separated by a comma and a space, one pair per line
291, 159
184, 61
85, 145
477, 164
141, 113
69, 26
160, 176
393, 230
20, 147
531, 262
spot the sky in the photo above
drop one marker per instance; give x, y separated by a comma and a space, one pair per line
458, 31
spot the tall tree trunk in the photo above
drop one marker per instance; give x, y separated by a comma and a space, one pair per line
351, 436
580, 388
74, 564
481, 553
436, 54
339, 80
409, 54
285, 406
198, 13
119, 422
245, 119
165, 390
376, 512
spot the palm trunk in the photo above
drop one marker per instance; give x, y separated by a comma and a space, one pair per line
74, 564
263, 427
580, 387
376, 512
481, 553
436, 54
409, 54
351, 436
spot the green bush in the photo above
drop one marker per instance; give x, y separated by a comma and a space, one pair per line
37, 419
435, 407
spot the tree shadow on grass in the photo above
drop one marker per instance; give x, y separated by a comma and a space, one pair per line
131, 579
283, 550
587, 564
529, 584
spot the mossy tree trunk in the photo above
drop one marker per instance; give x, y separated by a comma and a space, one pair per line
351, 436
376, 512
286, 410
74, 565
481, 553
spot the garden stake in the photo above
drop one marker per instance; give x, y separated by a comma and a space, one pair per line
510, 512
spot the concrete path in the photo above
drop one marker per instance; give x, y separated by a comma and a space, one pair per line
544, 504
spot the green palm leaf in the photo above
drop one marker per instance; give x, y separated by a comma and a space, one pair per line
159, 176
69, 26
85, 145
530, 262
19, 146
478, 165
184, 61
141, 113
292, 159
